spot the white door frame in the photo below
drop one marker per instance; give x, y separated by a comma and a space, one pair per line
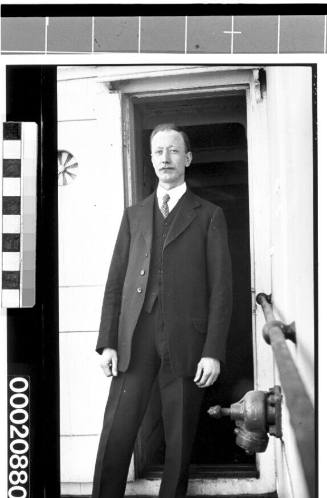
206, 80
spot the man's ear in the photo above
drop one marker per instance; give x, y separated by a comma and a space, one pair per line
188, 159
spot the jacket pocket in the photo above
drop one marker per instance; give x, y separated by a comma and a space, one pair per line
200, 325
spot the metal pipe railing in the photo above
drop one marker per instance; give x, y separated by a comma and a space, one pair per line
297, 400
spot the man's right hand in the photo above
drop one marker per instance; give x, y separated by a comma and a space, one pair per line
109, 361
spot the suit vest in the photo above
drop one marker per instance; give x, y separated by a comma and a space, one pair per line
161, 227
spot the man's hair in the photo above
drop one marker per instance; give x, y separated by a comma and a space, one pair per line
172, 127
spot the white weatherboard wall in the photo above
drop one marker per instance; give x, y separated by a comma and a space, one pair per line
289, 102
90, 208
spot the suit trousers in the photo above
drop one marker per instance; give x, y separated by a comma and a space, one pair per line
128, 398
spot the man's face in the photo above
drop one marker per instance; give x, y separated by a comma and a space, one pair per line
169, 158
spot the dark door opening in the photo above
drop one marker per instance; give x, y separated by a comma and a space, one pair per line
219, 173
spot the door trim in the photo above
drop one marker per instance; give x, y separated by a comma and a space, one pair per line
211, 81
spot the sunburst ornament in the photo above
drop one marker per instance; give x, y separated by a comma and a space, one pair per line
67, 168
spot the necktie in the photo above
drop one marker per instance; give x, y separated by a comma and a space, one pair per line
164, 206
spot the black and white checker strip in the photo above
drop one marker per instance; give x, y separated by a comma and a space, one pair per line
18, 214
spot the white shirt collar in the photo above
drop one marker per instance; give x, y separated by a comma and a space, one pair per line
174, 193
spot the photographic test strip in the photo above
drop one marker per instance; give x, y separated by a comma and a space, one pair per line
19, 159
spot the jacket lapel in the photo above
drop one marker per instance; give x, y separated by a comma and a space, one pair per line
184, 217
146, 220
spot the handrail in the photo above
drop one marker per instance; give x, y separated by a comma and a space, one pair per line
297, 400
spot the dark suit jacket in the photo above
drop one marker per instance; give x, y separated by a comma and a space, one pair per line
196, 290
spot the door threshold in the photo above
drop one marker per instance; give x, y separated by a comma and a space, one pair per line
266, 495
241, 471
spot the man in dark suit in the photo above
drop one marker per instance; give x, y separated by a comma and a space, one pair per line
166, 313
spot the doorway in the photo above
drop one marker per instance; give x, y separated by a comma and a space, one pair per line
216, 126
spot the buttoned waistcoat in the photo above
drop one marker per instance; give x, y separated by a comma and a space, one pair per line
196, 290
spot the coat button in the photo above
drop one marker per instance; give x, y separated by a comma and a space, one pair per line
139, 290
142, 272
146, 254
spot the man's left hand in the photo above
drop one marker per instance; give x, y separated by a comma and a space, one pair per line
207, 372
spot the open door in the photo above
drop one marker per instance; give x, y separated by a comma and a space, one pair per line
223, 112
216, 126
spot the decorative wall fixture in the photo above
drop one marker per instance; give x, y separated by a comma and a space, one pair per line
67, 168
